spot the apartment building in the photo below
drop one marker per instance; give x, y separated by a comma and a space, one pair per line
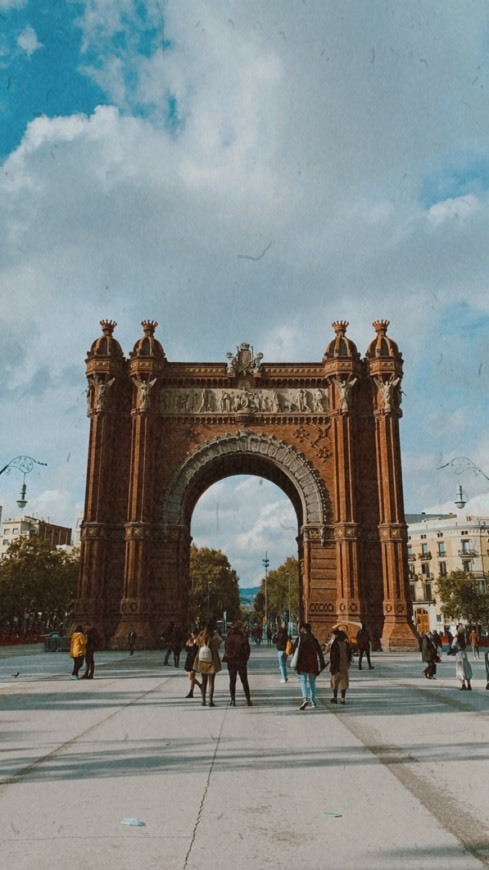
438, 545
25, 526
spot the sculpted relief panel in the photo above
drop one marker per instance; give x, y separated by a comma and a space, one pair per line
243, 401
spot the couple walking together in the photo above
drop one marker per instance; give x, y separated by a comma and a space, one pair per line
207, 662
308, 662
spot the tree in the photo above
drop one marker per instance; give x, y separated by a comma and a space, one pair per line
462, 598
37, 585
282, 593
214, 585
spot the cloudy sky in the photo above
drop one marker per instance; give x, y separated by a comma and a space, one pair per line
244, 171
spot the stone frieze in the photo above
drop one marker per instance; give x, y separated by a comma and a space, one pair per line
243, 401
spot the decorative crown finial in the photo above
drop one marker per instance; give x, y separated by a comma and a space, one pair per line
108, 326
381, 325
340, 326
149, 326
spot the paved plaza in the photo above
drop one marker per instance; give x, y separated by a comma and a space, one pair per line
397, 778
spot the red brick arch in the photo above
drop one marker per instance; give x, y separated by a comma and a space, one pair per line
326, 433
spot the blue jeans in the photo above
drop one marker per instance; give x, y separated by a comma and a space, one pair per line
282, 663
304, 679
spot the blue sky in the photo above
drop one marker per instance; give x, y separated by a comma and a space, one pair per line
150, 149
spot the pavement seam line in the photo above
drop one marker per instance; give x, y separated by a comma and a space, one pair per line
449, 814
204, 795
25, 771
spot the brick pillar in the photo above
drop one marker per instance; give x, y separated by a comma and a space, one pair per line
343, 370
143, 526
384, 364
105, 397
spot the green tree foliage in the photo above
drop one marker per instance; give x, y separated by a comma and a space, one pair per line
38, 580
282, 593
462, 598
214, 585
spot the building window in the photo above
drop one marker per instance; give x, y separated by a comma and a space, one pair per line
442, 568
425, 569
423, 537
427, 592
465, 546
439, 534
466, 566
424, 549
412, 587
441, 548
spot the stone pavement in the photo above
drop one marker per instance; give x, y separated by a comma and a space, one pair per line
398, 778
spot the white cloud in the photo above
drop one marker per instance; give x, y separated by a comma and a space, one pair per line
460, 208
5, 5
288, 197
28, 41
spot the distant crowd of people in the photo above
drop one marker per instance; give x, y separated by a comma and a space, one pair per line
302, 654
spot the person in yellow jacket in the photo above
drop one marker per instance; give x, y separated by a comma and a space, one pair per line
78, 648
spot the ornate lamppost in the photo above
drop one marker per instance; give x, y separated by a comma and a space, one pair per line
460, 465
266, 562
25, 464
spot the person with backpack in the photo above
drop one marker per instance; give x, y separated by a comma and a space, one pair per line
236, 655
308, 664
207, 661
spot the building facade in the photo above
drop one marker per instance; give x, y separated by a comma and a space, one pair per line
438, 545
326, 433
25, 526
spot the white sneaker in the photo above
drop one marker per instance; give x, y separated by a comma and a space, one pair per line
283, 681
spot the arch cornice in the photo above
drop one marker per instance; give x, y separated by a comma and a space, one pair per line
294, 474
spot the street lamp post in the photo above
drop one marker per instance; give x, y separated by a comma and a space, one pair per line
25, 464
266, 562
461, 464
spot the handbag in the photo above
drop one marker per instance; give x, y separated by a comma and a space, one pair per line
289, 646
205, 654
295, 658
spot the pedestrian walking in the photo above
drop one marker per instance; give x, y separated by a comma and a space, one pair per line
176, 644
437, 641
236, 655
207, 661
167, 636
364, 645
92, 644
78, 646
192, 649
429, 655
463, 669
281, 639
474, 642
339, 663
309, 663
131, 640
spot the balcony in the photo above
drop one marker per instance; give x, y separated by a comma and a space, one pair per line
469, 554
425, 556
411, 557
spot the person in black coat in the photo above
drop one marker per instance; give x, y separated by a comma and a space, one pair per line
236, 655
92, 644
429, 654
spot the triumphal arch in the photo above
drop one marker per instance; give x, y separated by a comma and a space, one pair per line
326, 433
